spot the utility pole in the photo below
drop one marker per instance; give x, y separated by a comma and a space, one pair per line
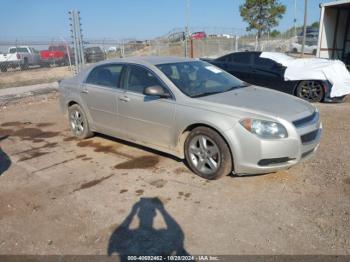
295, 18
304, 30
187, 33
77, 37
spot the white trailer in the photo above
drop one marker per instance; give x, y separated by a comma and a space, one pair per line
334, 34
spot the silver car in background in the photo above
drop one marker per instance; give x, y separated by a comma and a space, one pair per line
194, 111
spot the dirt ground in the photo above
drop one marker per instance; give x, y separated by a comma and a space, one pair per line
35, 75
101, 195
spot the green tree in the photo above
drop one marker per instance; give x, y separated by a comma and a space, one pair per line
275, 33
262, 15
315, 24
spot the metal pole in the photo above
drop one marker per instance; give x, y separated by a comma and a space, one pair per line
187, 27
295, 17
81, 46
71, 13
236, 43
78, 63
68, 53
304, 31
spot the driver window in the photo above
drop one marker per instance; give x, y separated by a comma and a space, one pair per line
138, 79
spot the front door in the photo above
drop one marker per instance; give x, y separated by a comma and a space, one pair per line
145, 118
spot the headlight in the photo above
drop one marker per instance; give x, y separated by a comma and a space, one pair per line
264, 129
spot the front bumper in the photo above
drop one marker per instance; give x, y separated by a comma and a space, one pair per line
338, 99
327, 96
253, 155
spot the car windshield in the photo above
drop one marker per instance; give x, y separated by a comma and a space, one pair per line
198, 78
19, 50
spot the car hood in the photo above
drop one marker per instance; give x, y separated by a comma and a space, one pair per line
259, 100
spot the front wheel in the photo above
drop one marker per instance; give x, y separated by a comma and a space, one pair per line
78, 122
207, 154
311, 91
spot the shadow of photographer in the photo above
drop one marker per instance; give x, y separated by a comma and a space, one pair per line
5, 161
145, 239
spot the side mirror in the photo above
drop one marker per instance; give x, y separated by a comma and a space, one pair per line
155, 91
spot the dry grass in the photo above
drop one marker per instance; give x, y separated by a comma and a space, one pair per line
33, 76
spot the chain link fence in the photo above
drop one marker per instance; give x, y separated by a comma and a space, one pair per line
54, 59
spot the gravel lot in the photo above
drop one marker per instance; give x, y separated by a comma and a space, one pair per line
101, 195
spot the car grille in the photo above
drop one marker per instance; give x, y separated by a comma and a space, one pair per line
274, 161
309, 137
306, 120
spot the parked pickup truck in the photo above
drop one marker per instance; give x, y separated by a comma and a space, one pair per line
22, 56
56, 55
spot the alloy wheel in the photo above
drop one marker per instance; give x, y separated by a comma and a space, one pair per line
76, 122
204, 154
311, 91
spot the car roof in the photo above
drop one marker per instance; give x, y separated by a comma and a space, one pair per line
154, 60
241, 52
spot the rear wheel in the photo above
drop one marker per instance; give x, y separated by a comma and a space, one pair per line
25, 64
207, 153
311, 91
78, 122
3, 68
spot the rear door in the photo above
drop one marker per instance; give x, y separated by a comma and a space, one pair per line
267, 73
100, 92
237, 64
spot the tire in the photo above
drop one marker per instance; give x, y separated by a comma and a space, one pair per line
78, 122
295, 50
314, 52
3, 68
25, 64
207, 153
311, 91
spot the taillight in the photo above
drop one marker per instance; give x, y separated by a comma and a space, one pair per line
18, 56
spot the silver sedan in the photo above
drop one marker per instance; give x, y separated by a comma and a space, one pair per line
194, 111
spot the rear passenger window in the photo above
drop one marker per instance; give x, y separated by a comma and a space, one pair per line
242, 58
106, 75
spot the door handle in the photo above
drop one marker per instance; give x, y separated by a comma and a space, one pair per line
85, 91
124, 98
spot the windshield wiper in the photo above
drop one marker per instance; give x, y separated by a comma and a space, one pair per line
206, 94
218, 92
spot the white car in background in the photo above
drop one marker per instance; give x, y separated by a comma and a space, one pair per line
308, 49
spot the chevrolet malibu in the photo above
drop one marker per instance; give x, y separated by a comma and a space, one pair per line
194, 111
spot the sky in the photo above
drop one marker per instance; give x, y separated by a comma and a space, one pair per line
120, 19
